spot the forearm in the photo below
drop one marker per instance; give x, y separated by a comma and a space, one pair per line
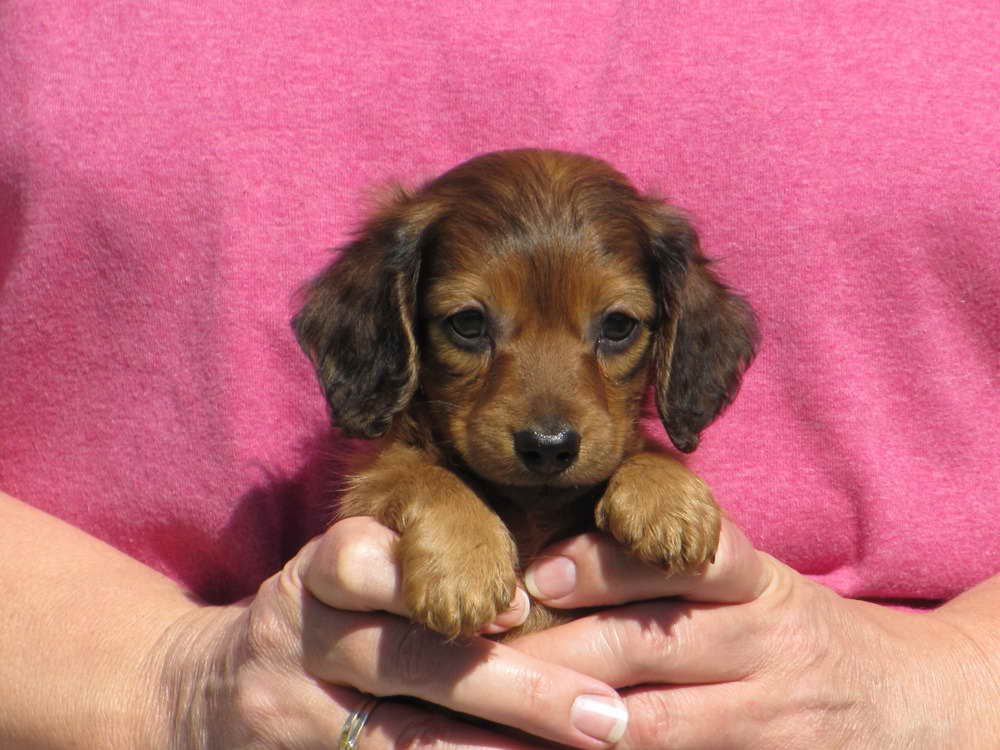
79, 622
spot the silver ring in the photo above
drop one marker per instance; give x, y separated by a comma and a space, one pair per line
355, 723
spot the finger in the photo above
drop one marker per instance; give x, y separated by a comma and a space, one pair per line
594, 570
395, 725
665, 641
690, 718
308, 713
384, 655
353, 567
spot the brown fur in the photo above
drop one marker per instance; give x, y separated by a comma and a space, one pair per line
547, 247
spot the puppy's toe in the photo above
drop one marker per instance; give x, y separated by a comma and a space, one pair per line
670, 524
457, 589
452, 608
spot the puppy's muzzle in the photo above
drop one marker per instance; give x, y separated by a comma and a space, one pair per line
547, 452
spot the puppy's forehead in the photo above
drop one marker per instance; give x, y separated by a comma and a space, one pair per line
549, 284
516, 198
545, 233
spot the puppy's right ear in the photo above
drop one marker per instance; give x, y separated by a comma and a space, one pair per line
356, 323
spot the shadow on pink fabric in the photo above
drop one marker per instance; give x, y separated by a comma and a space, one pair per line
171, 173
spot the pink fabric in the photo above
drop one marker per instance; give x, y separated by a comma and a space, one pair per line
171, 172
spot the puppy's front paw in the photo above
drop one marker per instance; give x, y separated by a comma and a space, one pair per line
456, 581
663, 513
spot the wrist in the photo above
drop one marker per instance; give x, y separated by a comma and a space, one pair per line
925, 684
117, 703
191, 666
948, 684
974, 645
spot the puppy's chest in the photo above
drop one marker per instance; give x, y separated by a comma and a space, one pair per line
535, 528
534, 524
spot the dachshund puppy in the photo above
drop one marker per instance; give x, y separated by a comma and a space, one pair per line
498, 330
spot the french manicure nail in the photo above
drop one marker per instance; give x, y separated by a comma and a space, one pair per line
551, 578
602, 717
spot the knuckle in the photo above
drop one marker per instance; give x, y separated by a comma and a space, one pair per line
257, 704
645, 641
349, 657
416, 661
801, 636
536, 690
428, 732
420, 733
652, 721
267, 633
351, 560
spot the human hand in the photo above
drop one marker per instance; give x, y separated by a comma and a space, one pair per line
754, 655
286, 668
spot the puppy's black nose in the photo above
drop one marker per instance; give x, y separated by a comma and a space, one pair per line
547, 452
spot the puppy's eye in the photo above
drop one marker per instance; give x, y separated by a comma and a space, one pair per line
617, 327
468, 324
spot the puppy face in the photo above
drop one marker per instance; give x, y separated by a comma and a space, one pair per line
536, 350
522, 303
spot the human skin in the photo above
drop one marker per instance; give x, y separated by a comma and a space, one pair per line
753, 655
99, 651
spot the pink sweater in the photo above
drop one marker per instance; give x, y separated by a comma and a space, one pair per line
171, 172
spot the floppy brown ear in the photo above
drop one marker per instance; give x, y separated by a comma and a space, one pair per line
707, 339
357, 321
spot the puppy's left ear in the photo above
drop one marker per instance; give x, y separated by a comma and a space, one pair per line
707, 339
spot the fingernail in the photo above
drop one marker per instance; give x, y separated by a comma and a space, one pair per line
551, 578
600, 716
514, 616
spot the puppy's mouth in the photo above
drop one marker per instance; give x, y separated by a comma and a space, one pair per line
532, 489
546, 497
